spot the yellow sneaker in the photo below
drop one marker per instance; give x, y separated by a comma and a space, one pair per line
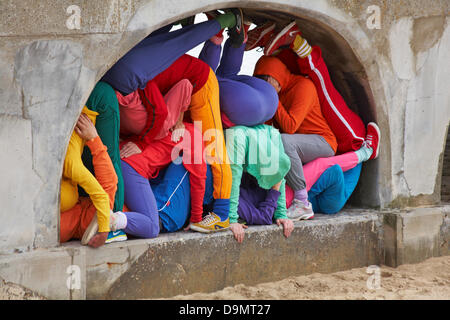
210, 223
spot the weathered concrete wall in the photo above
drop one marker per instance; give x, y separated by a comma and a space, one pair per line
49, 70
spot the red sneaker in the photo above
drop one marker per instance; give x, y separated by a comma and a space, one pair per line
283, 38
259, 36
373, 139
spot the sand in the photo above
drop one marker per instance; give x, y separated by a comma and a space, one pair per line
429, 280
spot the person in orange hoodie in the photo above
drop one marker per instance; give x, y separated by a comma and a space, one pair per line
306, 134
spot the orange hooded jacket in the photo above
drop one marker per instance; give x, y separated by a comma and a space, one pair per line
298, 107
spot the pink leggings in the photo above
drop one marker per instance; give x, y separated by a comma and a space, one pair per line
314, 169
177, 100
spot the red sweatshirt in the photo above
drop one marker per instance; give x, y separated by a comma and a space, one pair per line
156, 154
185, 67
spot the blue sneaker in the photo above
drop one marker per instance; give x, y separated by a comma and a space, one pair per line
116, 236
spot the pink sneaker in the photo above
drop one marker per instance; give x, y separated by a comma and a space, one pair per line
283, 38
373, 139
259, 36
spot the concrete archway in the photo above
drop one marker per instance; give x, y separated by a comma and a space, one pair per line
396, 75
52, 79
345, 47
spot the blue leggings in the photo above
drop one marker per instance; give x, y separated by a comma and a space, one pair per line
246, 100
332, 190
156, 53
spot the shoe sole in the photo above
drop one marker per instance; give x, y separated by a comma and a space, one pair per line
90, 232
303, 217
262, 35
280, 34
198, 229
120, 238
377, 129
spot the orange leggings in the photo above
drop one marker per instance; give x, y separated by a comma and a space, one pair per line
205, 108
75, 221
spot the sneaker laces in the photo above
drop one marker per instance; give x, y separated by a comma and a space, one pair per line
369, 141
208, 219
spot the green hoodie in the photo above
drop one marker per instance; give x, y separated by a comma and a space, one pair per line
259, 151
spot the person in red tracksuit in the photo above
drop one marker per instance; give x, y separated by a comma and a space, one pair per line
204, 111
145, 154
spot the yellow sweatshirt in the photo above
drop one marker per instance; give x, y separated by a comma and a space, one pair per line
75, 173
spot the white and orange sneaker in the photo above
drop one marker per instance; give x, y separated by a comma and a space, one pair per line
259, 36
284, 38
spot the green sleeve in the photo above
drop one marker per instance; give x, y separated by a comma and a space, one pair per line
280, 212
236, 149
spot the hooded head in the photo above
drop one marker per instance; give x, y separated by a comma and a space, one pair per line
272, 66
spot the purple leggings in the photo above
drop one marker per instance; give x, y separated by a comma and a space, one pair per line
156, 53
246, 100
143, 220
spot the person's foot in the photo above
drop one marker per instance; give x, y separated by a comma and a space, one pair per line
259, 36
186, 21
218, 38
90, 232
282, 39
301, 47
364, 153
117, 220
210, 223
116, 236
299, 211
238, 32
212, 14
373, 137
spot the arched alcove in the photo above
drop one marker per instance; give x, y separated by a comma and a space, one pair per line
341, 55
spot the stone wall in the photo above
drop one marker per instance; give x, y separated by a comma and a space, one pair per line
49, 69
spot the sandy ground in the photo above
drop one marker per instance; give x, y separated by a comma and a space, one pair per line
429, 280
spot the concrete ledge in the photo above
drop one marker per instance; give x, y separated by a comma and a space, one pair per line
182, 263
186, 262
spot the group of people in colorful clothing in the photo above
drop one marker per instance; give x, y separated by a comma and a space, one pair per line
167, 141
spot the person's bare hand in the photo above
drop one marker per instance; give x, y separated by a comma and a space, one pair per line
98, 240
178, 132
277, 186
178, 129
288, 226
129, 149
85, 128
238, 231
